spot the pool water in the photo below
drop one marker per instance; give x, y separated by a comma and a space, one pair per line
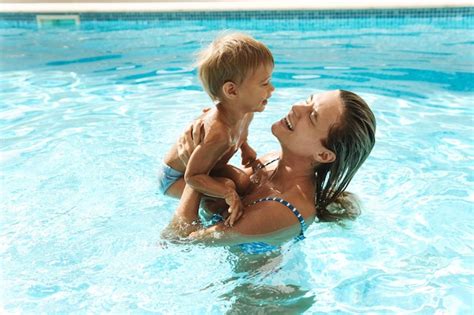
87, 114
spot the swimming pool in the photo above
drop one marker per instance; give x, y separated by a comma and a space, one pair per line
87, 114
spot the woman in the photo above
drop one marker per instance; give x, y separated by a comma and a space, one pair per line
323, 142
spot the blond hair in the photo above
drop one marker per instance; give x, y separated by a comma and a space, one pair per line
230, 57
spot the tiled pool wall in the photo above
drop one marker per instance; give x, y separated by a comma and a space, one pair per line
464, 15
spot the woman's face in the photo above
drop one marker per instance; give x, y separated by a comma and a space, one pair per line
307, 125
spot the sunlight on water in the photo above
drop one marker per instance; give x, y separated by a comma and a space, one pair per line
87, 115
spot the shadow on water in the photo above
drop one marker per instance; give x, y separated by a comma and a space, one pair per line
251, 292
248, 298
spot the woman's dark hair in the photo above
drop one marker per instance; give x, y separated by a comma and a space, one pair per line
351, 139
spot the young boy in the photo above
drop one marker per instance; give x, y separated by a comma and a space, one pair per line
235, 71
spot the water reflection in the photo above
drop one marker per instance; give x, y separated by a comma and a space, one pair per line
266, 299
263, 284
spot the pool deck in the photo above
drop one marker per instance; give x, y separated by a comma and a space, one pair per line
55, 6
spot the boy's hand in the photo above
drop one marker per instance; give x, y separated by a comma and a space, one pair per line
256, 166
235, 208
248, 156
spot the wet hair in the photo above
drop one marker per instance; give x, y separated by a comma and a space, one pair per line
351, 139
230, 57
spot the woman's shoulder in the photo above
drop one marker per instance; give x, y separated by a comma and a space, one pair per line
303, 202
280, 211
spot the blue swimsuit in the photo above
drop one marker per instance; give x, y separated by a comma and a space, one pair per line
261, 247
167, 176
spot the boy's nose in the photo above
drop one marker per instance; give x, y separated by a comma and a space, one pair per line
272, 88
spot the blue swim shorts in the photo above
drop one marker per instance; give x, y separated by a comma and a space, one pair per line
167, 176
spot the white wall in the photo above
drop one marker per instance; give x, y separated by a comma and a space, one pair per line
131, 1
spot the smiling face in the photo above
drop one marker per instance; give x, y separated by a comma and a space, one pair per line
255, 90
307, 125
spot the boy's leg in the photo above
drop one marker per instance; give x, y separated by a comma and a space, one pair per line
176, 189
170, 181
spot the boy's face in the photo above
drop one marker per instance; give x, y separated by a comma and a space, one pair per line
256, 89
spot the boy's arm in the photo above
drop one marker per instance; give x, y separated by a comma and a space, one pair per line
248, 154
202, 160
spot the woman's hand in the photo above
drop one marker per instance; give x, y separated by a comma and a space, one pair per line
190, 139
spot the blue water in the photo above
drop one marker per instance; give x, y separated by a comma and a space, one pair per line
87, 114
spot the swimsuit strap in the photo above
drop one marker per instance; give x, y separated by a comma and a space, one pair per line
292, 208
268, 163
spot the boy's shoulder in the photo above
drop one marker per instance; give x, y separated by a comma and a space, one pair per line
218, 134
215, 130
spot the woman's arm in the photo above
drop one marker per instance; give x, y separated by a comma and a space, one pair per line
269, 222
186, 218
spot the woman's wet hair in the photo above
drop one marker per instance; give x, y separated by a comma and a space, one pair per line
351, 139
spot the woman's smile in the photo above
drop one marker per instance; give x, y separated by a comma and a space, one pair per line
288, 123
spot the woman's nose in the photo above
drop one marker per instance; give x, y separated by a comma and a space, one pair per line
298, 105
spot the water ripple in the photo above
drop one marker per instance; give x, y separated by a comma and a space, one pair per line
86, 118
83, 60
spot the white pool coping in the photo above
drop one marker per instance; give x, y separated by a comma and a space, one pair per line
77, 7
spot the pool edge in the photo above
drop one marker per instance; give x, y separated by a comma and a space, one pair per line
209, 6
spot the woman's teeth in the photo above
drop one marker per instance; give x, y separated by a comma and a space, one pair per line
288, 123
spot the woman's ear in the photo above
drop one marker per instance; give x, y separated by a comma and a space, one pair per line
229, 89
325, 156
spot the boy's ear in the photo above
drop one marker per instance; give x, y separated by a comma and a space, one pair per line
325, 156
229, 89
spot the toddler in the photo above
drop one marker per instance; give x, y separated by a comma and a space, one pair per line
235, 71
